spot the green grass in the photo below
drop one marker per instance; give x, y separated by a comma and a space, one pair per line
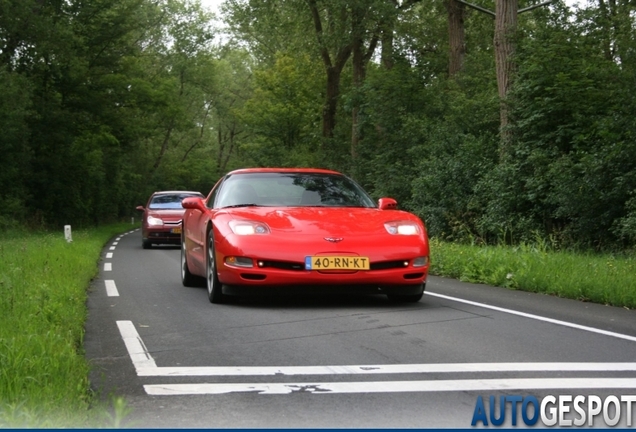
604, 279
43, 291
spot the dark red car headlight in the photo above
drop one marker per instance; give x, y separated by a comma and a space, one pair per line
153, 221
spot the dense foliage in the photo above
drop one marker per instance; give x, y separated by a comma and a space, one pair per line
105, 101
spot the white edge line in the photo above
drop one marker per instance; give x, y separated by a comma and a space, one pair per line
138, 352
111, 288
537, 317
393, 386
108, 266
109, 255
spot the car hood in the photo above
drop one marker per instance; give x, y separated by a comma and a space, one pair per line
323, 220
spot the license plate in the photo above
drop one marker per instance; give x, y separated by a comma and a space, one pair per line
176, 230
336, 263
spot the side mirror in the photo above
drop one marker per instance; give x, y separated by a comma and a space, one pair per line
140, 208
193, 203
387, 204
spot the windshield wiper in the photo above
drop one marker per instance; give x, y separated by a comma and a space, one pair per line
242, 205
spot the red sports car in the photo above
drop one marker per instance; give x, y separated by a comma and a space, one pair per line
265, 230
161, 220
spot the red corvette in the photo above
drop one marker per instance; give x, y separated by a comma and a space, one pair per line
263, 230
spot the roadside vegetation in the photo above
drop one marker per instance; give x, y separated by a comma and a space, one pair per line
538, 267
43, 292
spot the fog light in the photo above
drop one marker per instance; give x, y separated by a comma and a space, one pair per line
420, 261
238, 261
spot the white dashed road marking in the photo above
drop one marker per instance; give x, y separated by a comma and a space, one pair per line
111, 289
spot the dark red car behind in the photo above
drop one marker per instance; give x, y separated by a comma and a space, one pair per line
162, 217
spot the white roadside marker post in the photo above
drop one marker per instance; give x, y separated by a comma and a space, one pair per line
67, 233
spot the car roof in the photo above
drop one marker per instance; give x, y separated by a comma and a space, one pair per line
176, 192
283, 170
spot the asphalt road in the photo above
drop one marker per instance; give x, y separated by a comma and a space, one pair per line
341, 362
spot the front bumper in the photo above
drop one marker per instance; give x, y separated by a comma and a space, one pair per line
280, 261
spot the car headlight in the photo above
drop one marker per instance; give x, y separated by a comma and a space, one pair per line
154, 221
241, 227
420, 261
402, 228
238, 261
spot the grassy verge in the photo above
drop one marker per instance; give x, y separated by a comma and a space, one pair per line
604, 279
43, 290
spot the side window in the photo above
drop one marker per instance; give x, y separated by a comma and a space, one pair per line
214, 194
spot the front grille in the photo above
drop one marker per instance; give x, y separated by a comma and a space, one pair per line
385, 265
284, 265
164, 235
172, 223
296, 266
250, 276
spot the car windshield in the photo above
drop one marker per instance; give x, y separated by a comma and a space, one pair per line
169, 201
292, 190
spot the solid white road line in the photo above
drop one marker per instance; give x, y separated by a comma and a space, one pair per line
393, 386
145, 369
383, 369
111, 289
537, 317
108, 266
135, 346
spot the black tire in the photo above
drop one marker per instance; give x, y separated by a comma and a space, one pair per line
215, 289
146, 244
407, 298
187, 278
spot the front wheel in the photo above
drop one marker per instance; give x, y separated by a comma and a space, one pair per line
408, 298
215, 289
187, 278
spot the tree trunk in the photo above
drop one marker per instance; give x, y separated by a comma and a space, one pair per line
357, 46
456, 37
386, 35
333, 71
505, 28
331, 102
